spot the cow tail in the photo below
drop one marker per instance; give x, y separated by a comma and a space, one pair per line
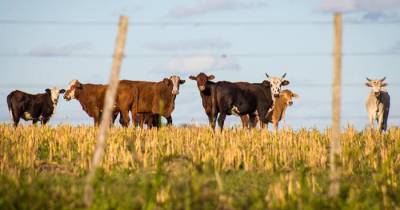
9, 104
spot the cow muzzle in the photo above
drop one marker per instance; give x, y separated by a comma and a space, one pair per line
202, 88
377, 94
276, 95
290, 103
66, 97
175, 92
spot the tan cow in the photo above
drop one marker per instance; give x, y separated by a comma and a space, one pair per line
284, 100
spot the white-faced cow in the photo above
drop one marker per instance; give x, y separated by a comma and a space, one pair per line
276, 84
35, 107
147, 101
378, 103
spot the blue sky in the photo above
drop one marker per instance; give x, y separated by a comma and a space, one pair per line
297, 39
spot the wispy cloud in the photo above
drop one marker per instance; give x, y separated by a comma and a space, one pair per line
196, 63
63, 50
199, 44
203, 7
369, 6
377, 16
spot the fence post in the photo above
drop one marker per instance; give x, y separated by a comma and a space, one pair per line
336, 103
107, 110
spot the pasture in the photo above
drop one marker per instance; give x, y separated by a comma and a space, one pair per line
43, 167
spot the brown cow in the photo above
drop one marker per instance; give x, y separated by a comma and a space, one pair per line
158, 100
91, 98
284, 100
138, 97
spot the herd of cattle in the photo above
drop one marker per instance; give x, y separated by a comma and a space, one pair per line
147, 101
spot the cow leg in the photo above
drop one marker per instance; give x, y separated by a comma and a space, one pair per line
16, 115
139, 119
45, 120
380, 122
155, 119
210, 119
253, 120
115, 115
221, 120
371, 121
245, 121
262, 114
275, 125
96, 120
124, 118
135, 119
262, 125
385, 118
34, 121
169, 120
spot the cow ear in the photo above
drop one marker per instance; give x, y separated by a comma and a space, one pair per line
182, 81
62, 91
368, 84
285, 82
211, 77
48, 91
266, 83
166, 81
192, 78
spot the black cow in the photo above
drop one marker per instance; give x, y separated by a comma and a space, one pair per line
38, 107
242, 99
205, 85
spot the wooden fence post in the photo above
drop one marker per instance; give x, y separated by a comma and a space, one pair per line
336, 103
107, 110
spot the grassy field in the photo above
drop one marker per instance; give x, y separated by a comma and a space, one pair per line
192, 168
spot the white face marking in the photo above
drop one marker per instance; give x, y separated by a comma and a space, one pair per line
175, 81
276, 83
70, 91
55, 94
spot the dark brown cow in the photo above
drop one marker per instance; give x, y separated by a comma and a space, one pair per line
38, 107
91, 98
147, 100
205, 85
278, 111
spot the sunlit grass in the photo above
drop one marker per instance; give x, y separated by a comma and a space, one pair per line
291, 166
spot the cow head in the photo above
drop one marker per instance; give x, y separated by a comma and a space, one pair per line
71, 90
54, 93
201, 80
276, 83
288, 96
376, 85
176, 81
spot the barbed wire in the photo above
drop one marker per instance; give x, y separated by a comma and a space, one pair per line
193, 23
223, 55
